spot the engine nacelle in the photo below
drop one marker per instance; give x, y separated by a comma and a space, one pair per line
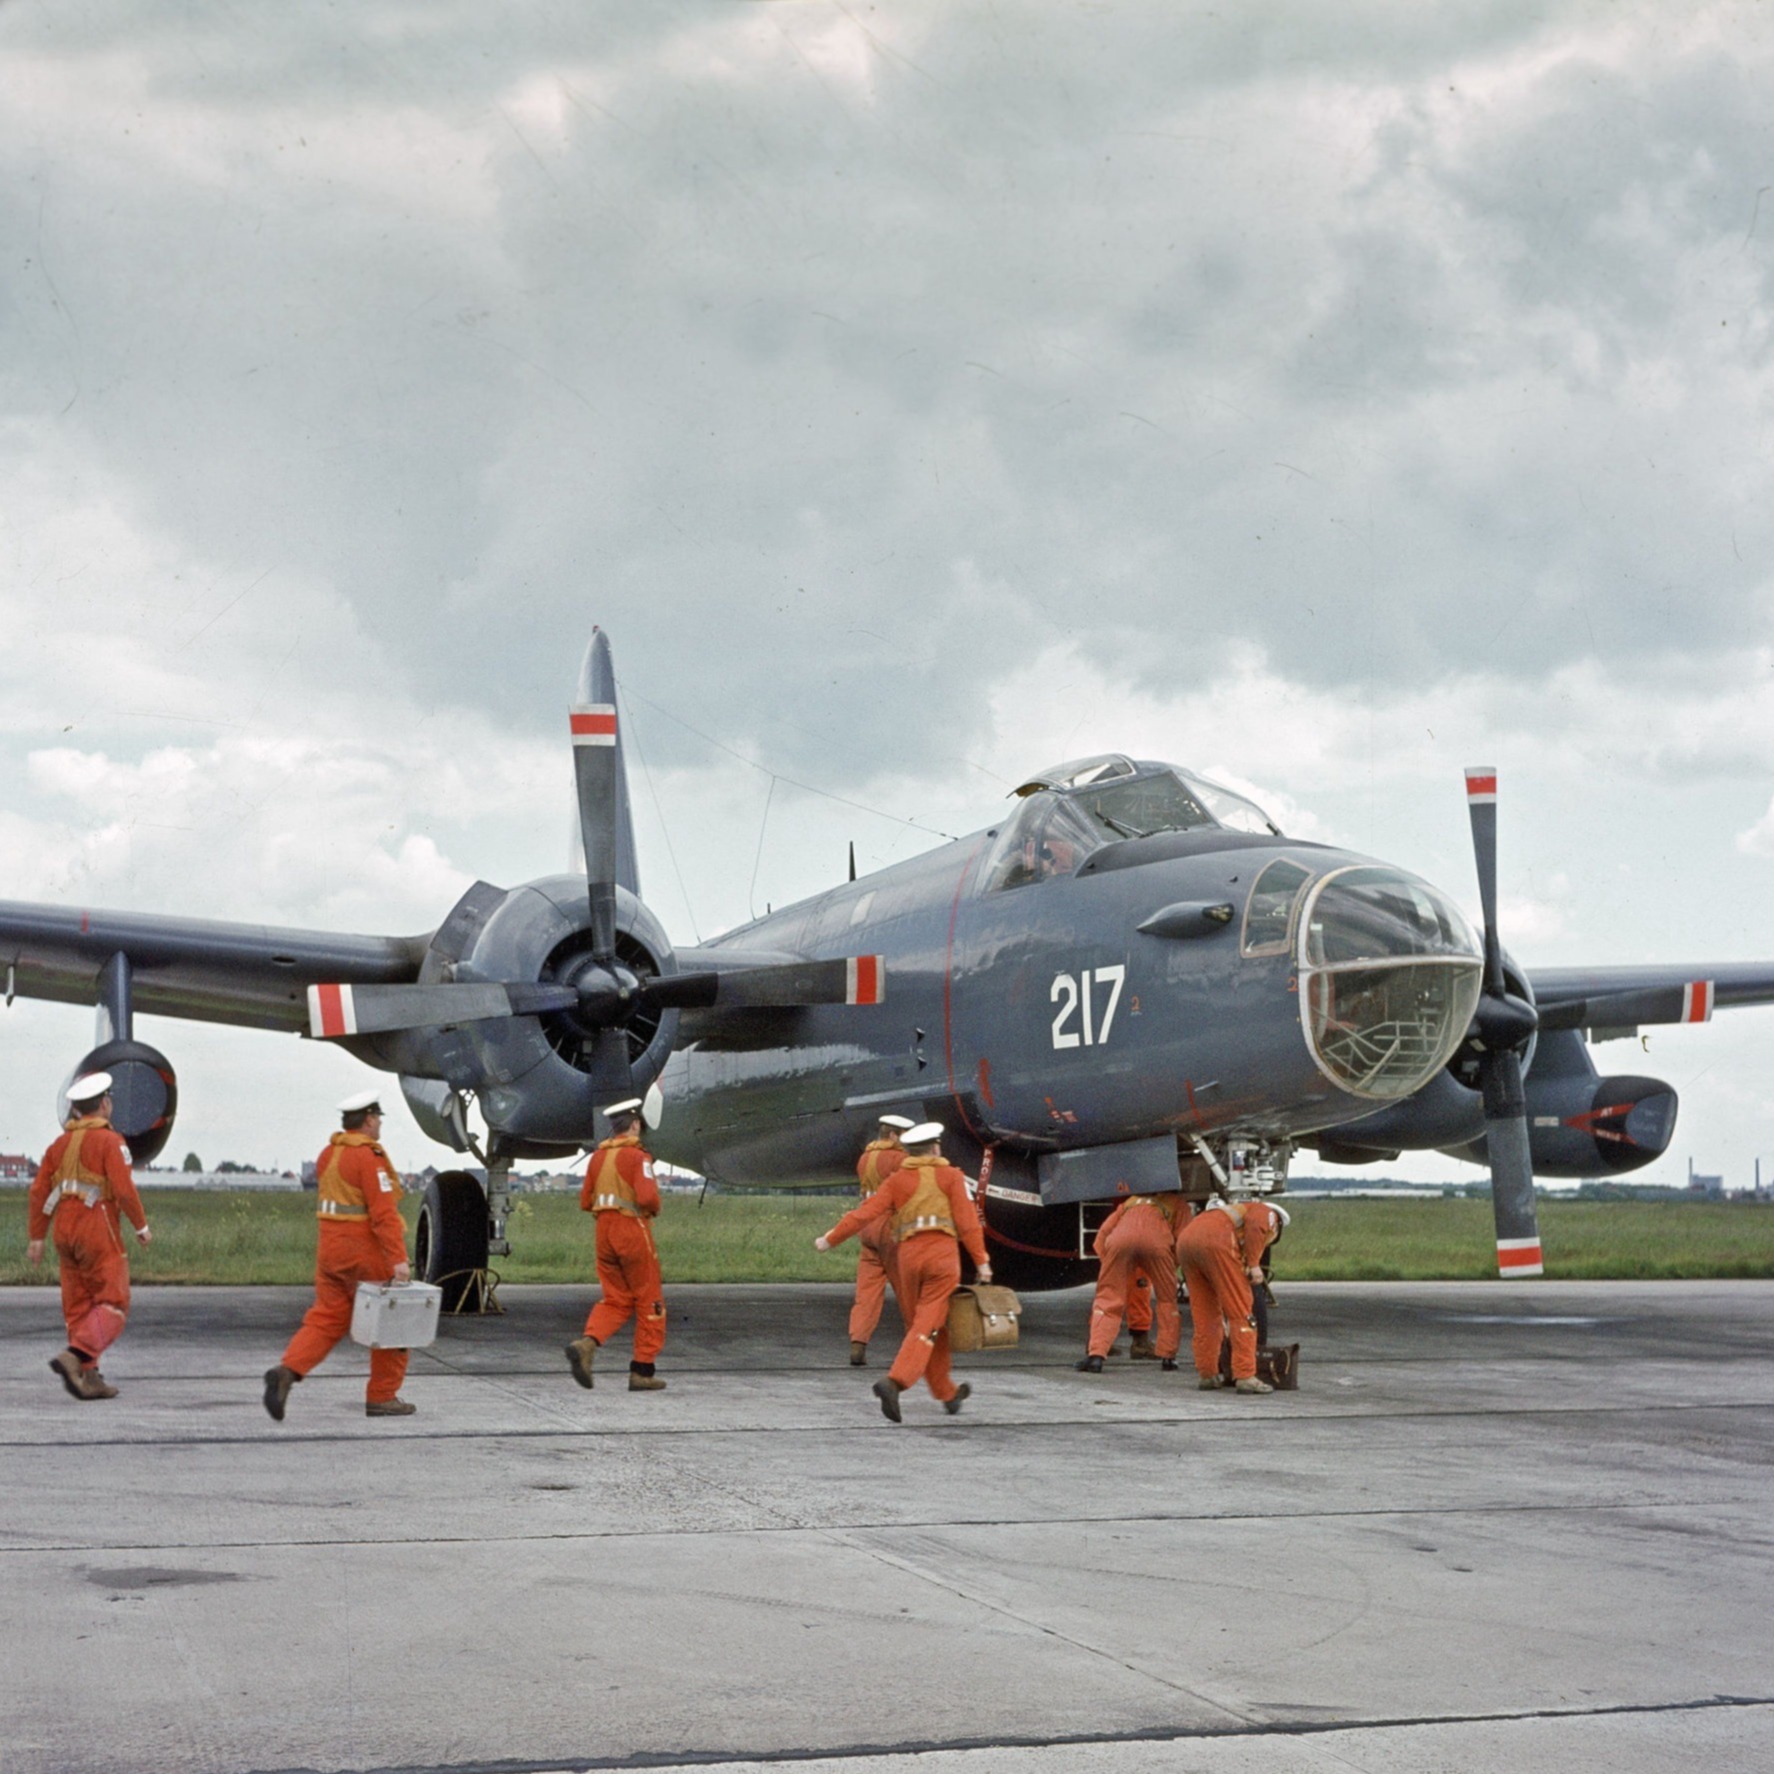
1581, 1125
536, 1076
144, 1094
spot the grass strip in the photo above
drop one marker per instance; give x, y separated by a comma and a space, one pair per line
219, 1238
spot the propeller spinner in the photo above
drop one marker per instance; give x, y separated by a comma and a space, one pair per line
1504, 1024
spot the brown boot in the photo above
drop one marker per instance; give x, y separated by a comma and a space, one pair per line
67, 1364
579, 1354
97, 1386
278, 1381
641, 1378
859, 1354
963, 1392
388, 1407
1141, 1348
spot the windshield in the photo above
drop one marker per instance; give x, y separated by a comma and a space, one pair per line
1147, 804
1229, 808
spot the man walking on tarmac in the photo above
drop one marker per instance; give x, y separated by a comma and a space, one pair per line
82, 1192
875, 1266
361, 1238
1222, 1255
926, 1201
1138, 1238
621, 1190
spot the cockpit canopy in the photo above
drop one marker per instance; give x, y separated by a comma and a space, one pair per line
1073, 809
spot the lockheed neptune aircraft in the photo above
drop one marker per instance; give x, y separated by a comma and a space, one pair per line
1135, 978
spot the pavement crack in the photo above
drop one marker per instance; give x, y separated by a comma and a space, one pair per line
941, 1580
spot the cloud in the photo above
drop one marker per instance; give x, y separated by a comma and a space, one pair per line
1324, 402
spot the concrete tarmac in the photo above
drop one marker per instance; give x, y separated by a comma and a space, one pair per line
1526, 1525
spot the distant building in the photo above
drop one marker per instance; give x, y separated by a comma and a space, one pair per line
15, 1167
1708, 1188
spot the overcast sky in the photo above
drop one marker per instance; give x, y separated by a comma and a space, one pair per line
1323, 397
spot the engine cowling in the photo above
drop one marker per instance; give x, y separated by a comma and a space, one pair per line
538, 1077
144, 1094
1582, 1125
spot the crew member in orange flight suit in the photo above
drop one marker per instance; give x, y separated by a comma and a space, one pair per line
932, 1217
1222, 1254
362, 1238
82, 1191
621, 1190
875, 1269
1140, 1234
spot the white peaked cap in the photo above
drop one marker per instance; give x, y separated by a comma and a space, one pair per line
361, 1099
922, 1134
628, 1106
89, 1088
900, 1121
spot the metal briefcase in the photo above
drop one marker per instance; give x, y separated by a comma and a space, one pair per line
983, 1317
384, 1316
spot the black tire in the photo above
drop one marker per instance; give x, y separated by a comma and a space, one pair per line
450, 1241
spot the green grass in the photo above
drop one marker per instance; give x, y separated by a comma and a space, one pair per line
211, 1237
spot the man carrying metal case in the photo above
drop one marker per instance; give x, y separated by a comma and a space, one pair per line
82, 1192
361, 1238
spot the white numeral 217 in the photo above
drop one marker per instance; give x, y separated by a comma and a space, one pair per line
1073, 994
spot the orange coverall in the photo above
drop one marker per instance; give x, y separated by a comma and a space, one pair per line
1218, 1248
89, 1240
621, 1190
875, 1257
1139, 1235
362, 1238
923, 1188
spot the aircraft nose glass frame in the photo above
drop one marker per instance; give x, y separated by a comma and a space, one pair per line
1390, 974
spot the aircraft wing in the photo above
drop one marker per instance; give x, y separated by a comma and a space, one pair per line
1628, 997
254, 975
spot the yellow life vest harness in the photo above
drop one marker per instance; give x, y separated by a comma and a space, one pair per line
75, 1181
339, 1198
611, 1191
927, 1209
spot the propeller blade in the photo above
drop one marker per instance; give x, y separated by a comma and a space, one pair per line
1512, 1167
1690, 1003
612, 1080
1504, 1023
1481, 809
592, 721
337, 1010
855, 979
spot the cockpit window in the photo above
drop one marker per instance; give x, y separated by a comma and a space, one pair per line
1147, 804
1270, 913
1046, 837
1229, 808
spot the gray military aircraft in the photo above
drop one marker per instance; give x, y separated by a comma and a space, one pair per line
1134, 978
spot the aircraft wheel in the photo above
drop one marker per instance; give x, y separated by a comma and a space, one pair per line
450, 1241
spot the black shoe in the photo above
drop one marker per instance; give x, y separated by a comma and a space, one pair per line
963, 1392
888, 1393
1170, 1367
1091, 1364
278, 1381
